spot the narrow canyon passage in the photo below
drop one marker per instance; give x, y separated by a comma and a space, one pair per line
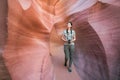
58, 56
60, 71
30, 39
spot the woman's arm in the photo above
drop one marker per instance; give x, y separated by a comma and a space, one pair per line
63, 38
74, 37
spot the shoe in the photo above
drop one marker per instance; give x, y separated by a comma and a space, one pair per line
69, 70
65, 64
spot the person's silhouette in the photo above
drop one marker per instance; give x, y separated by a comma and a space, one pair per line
69, 45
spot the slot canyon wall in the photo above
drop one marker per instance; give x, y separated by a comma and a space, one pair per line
4, 75
30, 30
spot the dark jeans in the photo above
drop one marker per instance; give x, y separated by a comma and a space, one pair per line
69, 51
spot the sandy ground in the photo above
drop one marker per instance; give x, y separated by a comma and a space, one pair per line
61, 72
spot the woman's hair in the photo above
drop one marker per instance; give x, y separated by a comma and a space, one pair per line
70, 27
70, 23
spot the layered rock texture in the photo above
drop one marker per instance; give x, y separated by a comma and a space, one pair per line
31, 45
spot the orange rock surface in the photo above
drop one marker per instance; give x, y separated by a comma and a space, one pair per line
34, 33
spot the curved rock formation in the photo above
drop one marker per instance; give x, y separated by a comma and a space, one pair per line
27, 50
30, 41
4, 75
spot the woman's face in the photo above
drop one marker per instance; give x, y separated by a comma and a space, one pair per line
69, 25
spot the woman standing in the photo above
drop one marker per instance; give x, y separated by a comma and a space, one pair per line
69, 45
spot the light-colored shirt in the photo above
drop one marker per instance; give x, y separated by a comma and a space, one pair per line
69, 36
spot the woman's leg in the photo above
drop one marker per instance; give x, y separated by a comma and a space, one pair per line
66, 51
71, 57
